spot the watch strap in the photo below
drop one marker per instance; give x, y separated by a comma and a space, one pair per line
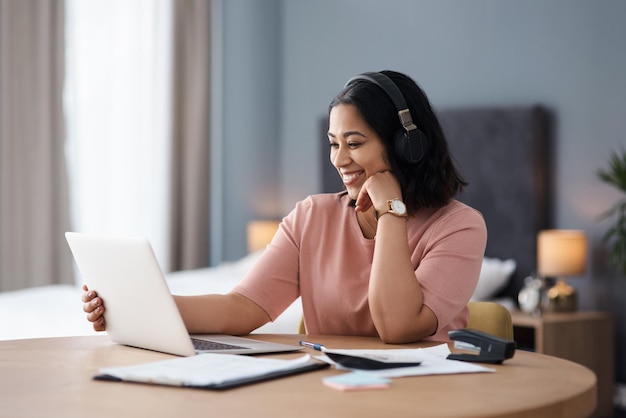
389, 209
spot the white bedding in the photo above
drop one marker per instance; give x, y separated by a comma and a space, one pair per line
56, 311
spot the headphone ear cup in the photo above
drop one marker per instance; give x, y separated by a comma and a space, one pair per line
410, 146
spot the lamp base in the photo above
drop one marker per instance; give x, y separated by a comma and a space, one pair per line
561, 297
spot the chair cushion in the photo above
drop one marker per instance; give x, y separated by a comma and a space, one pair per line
492, 318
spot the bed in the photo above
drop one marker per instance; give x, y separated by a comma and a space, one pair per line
56, 310
502, 151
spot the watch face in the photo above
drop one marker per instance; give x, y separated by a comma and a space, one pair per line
398, 207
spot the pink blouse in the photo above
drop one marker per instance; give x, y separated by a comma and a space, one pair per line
319, 253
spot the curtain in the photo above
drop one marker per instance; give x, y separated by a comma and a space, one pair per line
118, 105
33, 180
122, 176
190, 135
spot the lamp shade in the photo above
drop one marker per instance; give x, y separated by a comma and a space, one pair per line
561, 252
260, 233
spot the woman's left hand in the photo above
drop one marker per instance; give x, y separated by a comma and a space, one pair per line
378, 189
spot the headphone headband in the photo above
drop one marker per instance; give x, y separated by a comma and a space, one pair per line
409, 144
394, 93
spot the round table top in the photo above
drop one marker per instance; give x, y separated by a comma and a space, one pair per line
53, 377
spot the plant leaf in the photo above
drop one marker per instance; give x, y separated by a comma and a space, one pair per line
615, 236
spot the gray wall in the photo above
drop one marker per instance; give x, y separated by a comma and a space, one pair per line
245, 165
284, 60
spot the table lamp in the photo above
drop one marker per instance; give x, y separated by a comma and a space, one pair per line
260, 233
561, 253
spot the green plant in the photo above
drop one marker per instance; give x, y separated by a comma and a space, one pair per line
615, 175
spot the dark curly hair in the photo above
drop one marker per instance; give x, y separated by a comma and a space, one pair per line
435, 180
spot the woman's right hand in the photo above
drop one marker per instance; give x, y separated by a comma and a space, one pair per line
94, 307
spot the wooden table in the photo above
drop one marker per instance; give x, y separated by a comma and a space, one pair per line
52, 377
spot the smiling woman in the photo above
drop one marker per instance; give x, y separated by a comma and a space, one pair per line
411, 282
353, 141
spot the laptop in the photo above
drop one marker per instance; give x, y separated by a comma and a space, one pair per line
140, 310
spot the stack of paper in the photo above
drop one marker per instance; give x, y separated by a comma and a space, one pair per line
432, 360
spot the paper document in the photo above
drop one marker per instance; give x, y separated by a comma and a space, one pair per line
211, 371
432, 360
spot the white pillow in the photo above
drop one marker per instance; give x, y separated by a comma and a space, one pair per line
494, 276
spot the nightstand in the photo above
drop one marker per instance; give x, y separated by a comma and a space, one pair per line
587, 338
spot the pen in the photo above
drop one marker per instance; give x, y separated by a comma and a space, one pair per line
318, 347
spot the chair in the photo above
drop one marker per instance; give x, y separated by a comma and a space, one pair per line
301, 327
492, 318
489, 317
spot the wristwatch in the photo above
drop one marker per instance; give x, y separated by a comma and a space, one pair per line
395, 207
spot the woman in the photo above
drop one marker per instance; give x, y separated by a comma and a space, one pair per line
393, 256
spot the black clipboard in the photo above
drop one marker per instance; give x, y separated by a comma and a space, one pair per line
366, 363
228, 384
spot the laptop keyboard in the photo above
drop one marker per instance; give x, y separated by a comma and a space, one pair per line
213, 345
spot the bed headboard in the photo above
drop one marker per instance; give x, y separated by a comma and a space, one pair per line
503, 153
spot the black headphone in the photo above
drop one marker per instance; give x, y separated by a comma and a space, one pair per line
409, 142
